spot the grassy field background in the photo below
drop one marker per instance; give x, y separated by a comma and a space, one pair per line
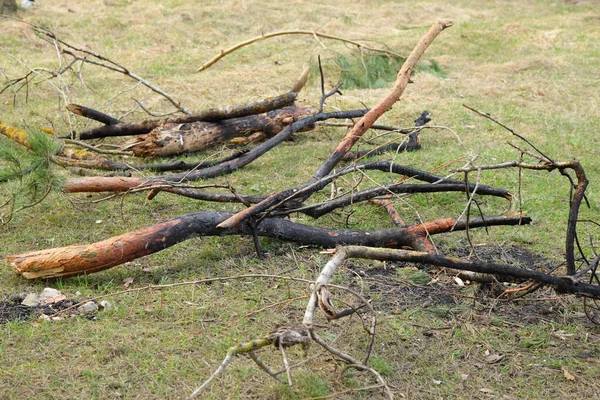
531, 64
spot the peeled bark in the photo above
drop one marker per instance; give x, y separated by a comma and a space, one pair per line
86, 259
173, 139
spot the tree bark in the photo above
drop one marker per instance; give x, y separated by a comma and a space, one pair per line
173, 139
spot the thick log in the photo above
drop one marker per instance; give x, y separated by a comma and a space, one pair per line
173, 139
211, 115
86, 259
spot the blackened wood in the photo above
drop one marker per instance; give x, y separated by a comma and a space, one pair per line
86, 259
92, 114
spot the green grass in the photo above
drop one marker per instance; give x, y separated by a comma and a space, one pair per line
533, 65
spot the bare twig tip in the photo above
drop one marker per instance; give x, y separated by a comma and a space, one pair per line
445, 24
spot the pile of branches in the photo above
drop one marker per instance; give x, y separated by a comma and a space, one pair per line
273, 121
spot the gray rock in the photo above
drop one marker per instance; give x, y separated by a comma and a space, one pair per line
48, 294
88, 308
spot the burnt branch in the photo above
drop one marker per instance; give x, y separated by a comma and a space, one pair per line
86, 259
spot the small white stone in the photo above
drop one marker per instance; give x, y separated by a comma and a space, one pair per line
31, 300
105, 305
49, 293
28, 4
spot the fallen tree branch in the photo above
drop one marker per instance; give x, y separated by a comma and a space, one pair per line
86, 259
577, 189
120, 184
385, 104
362, 126
276, 200
562, 284
173, 139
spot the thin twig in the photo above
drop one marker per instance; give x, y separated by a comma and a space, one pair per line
262, 366
219, 370
96, 149
286, 364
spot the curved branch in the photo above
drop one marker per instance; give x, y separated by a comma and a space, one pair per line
238, 46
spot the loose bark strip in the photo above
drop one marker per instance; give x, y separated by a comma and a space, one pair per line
86, 259
385, 104
173, 139
211, 115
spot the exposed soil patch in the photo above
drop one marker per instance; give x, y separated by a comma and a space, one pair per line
15, 311
393, 289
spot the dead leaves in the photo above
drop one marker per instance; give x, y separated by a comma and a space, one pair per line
568, 376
